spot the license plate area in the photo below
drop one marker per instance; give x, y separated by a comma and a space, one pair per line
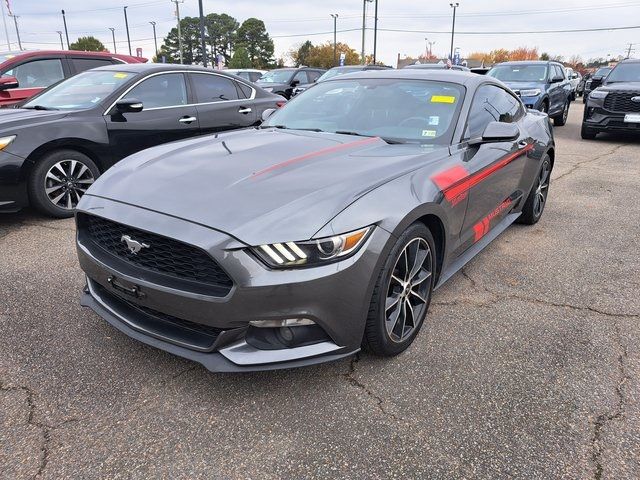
632, 118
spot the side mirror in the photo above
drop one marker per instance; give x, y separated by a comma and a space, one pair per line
556, 79
7, 83
267, 113
498, 132
295, 83
129, 106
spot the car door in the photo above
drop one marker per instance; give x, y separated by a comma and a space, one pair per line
557, 94
496, 168
80, 64
220, 102
33, 76
166, 116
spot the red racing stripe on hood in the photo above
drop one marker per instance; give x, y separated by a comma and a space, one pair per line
317, 153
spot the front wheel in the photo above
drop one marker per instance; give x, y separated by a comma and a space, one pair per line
587, 133
58, 181
402, 293
560, 120
537, 199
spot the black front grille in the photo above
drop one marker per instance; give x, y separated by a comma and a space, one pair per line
163, 255
179, 322
621, 102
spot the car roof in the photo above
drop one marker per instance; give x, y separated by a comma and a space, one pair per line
18, 55
156, 67
630, 60
466, 79
528, 62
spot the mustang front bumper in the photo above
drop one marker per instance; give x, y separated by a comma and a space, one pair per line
214, 330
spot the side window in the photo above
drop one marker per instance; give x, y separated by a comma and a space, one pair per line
166, 90
244, 75
82, 64
254, 76
313, 75
213, 88
301, 77
245, 90
559, 71
39, 73
491, 104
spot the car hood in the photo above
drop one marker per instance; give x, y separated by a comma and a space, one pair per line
17, 117
524, 85
621, 87
260, 186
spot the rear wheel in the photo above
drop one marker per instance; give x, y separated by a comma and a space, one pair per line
402, 294
58, 181
560, 120
537, 199
587, 133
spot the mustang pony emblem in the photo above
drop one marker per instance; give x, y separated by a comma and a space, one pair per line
635, 99
134, 246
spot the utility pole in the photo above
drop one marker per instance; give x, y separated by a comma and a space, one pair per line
155, 39
203, 45
335, 31
66, 32
178, 2
126, 24
6, 31
453, 27
113, 36
375, 32
630, 49
431, 44
364, 27
59, 32
15, 20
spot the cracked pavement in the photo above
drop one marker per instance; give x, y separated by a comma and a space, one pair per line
528, 365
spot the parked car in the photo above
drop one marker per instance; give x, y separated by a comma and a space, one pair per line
249, 74
541, 85
615, 105
480, 70
438, 66
25, 73
580, 89
61, 140
282, 81
326, 228
574, 79
595, 81
336, 71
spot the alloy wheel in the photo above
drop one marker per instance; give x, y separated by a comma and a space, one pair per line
66, 181
408, 290
565, 113
542, 190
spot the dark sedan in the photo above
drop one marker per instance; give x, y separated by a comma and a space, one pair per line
325, 229
59, 142
337, 71
282, 81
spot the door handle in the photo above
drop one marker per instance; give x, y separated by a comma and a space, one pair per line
187, 119
244, 110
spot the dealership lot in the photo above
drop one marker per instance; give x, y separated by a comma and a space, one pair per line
528, 365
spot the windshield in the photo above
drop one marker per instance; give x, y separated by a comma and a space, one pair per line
519, 73
334, 72
602, 72
85, 90
396, 110
625, 72
276, 76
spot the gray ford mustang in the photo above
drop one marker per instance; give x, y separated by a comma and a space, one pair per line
324, 230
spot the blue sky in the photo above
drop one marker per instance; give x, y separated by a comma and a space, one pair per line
286, 19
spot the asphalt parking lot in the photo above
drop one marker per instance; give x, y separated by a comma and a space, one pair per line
528, 366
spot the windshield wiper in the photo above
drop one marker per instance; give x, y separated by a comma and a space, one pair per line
39, 107
346, 132
284, 127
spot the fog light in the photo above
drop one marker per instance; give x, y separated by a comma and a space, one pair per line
288, 322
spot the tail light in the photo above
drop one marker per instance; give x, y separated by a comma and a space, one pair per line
281, 103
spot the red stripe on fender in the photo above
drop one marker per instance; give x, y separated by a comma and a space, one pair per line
317, 153
478, 231
448, 177
481, 228
461, 186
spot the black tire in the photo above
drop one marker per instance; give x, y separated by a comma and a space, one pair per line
584, 98
377, 339
561, 119
71, 181
587, 133
533, 210
544, 107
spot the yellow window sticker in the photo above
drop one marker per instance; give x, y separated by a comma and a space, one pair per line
428, 133
120, 75
443, 99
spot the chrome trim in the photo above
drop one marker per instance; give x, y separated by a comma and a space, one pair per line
124, 94
241, 353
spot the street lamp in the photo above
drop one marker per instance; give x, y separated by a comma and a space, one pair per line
113, 36
364, 26
155, 40
335, 24
453, 27
126, 24
59, 32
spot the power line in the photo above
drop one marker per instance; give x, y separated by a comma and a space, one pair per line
517, 32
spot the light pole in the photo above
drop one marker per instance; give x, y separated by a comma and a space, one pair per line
15, 21
113, 36
66, 32
126, 24
59, 32
335, 32
431, 44
155, 39
6, 31
375, 31
453, 27
178, 2
364, 26
203, 45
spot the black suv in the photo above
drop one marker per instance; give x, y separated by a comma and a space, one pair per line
614, 106
282, 81
595, 81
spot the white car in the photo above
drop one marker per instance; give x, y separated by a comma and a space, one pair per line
574, 79
250, 74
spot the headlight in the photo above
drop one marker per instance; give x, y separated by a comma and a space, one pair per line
5, 141
268, 89
534, 92
597, 93
312, 252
